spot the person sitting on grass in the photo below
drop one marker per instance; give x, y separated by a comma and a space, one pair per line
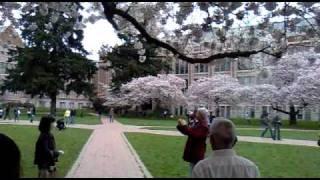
197, 133
223, 162
46, 154
10, 158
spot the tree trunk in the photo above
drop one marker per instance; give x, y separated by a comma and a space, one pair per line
53, 105
293, 115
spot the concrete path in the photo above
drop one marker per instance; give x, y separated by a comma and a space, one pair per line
107, 155
240, 138
240, 128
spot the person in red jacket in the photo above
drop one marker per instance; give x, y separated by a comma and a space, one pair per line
195, 147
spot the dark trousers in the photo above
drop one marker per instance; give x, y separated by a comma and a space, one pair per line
265, 130
277, 132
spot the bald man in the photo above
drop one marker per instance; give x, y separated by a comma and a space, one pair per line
223, 162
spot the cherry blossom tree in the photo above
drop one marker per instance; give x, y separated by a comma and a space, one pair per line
214, 90
293, 82
165, 90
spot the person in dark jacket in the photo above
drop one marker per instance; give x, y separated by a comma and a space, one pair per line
7, 113
195, 147
10, 158
46, 154
72, 116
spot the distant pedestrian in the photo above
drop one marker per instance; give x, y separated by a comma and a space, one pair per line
16, 114
247, 117
7, 113
46, 154
266, 124
211, 117
100, 114
67, 116
276, 122
10, 158
72, 116
111, 114
30, 115
1, 113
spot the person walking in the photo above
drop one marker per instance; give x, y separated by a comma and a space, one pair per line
111, 114
276, 122
72, 116
46, 154
224, 162
7, 113
30, 116
247, 117
266, 124
67, 116
1, 113
33, 112
195, 147
15, 113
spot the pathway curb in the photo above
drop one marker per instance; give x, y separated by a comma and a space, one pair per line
142, 167
76, 164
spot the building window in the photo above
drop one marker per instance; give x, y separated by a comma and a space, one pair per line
80, 105
223, 65
42, 103
88, 104
201, 68
62, 105
245, 64
181, 67
71, 105
246, 80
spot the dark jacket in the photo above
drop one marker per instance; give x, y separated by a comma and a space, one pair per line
195, 147
46, 154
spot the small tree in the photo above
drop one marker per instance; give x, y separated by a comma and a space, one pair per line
53, 60
165, 90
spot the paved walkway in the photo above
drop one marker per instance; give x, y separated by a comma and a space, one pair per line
240, 138
106, 155
240, 128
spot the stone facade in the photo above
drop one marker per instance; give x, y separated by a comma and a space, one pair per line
9, 39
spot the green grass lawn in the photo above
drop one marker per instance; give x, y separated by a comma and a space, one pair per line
70, 141
85, 119
313, 135
162, 155
312, 125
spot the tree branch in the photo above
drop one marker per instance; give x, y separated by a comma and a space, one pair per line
110, 10
280, 110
